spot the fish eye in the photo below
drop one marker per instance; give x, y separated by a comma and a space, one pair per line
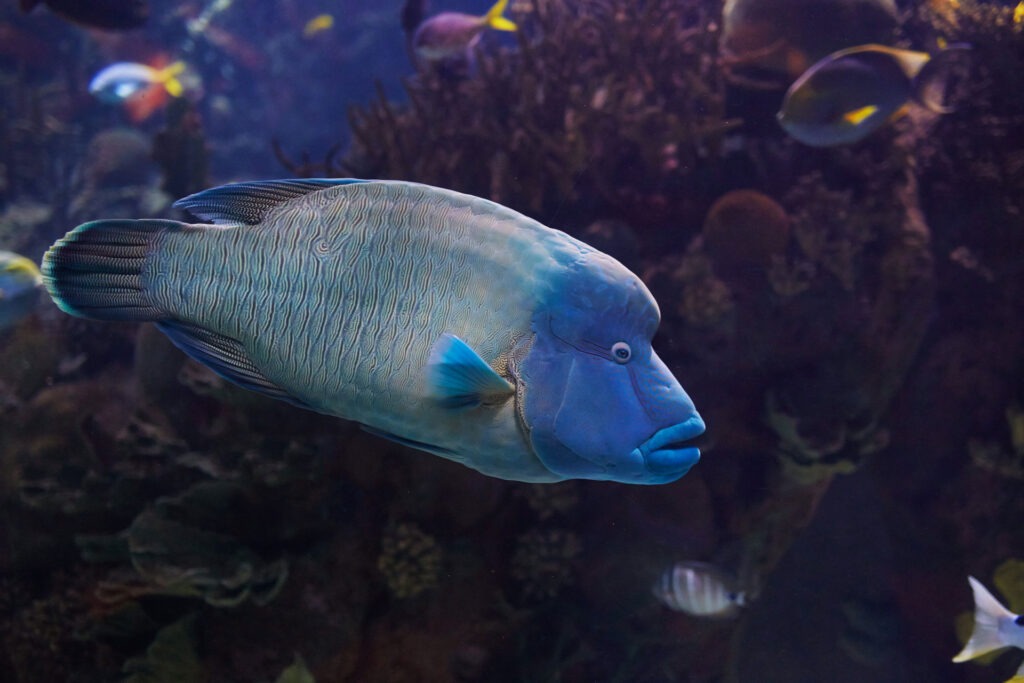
1019, 620
621, 352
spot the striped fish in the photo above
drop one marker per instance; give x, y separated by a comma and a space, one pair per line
442, 321
699, 589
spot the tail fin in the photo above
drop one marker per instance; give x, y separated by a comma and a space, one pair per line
988, 614
169, 77
940, 80
495, 20
95, 271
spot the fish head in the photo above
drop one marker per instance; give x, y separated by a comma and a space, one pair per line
596, 400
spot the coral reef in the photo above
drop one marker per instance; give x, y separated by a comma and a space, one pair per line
543, 562
410, 561
616, 103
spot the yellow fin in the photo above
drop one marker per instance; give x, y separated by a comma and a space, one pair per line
22, 266
857, 116
495, 20
168, 76
1018, 13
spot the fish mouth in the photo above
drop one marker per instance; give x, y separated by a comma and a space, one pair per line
671, 452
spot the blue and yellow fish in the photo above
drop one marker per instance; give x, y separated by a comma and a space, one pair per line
443, 321
851, 93
20, 283
453, 34
142, 88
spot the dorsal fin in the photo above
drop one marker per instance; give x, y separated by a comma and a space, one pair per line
249, 202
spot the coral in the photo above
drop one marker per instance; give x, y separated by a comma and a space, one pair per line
703, 299
972, 163
40, 639
830, 230
550, 500
613, 101
173, 552
993, 455
172, 656
410, 560
745, 227
542, 562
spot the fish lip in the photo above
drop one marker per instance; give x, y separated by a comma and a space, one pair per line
667, 451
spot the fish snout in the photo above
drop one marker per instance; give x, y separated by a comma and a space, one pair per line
670, 452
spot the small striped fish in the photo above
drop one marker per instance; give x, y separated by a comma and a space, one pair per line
442, 321
699, 589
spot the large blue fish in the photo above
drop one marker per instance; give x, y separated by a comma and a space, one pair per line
443, 321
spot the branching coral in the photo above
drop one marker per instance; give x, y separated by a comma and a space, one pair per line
616, 100
410, 561
542, 562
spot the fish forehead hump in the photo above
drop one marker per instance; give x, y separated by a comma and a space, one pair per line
602, 299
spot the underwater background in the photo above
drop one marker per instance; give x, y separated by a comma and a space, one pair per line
847, 318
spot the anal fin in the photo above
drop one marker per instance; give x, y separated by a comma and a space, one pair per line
411, 443
225, 356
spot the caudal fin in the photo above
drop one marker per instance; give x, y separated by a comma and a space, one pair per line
95, 271
939, 84
988, 614
495, 17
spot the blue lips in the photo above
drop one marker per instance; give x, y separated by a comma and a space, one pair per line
666, 455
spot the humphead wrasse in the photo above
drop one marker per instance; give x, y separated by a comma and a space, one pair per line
443, 321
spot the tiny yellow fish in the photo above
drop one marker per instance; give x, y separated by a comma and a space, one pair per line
318, 24
1018, 13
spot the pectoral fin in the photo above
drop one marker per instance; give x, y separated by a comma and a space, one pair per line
458, 377
858, 116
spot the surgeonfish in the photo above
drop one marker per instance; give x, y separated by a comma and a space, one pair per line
442, 321
104, 14
20, 284
995, 627
700, 589
141, 88
851, 93
454, 34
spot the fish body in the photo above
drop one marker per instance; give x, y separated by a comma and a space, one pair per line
141, 88
105, 14
442, 321
318, 24
453, 34
20, 282
699, 589
995, 627
851, 93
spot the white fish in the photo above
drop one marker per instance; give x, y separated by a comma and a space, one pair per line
699, 589
995, 627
